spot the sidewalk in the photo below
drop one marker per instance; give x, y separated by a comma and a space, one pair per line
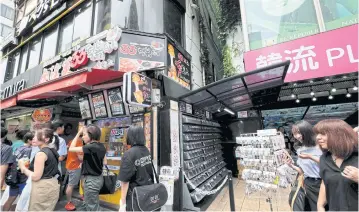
254, 202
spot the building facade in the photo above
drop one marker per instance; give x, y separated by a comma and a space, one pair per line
43, 31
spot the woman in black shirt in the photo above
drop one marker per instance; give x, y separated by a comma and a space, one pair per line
44, 173
93, 161
136, 167
338, 166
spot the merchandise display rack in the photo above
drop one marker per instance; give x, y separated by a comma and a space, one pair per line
202, 156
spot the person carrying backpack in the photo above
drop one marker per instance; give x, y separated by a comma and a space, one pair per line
14, 178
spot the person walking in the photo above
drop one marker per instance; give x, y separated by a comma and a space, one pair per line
73, 167
7, 156
22, 152
44, 173
338, 166
136, 167
303, 132
94, 158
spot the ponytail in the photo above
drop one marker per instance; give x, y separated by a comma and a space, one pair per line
56, 141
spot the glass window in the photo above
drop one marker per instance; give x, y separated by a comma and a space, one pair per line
275, 21
339, 13
15, 64
7, 12
66, 30
24, 51
173, 21
20, 13
30, 6
5, 30
50, 40
82, 23
35, 48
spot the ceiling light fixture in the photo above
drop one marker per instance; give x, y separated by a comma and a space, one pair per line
314, 99
229, 111
330, 97
333, 89
355, 87
297, 100
312, 92
293, 95
348, 94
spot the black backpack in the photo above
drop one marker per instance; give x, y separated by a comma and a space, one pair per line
12, 176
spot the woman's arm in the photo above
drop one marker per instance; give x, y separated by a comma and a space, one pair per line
39, 165
322, 199
73, 145
309, 156
3, 172
124, 190
298, 169
105, 160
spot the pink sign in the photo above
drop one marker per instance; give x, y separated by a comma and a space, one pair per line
326, 54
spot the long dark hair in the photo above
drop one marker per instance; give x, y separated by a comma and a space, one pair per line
306, 130
56, 124
46, 133
3, 135
136, 136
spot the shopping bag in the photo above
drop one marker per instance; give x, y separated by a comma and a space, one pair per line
24, 200
5, 195
109, 182
297, 196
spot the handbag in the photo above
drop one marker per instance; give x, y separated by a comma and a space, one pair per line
297, 195
149, 197
109, 182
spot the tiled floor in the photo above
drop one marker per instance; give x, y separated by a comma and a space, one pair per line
254, 202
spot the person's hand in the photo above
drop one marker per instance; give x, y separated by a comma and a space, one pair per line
305, 156
351, 173
81, 131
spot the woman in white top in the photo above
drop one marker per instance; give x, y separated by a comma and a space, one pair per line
308, 162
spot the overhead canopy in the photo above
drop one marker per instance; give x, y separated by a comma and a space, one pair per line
240, 92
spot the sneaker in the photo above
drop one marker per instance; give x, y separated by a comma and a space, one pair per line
82, 198
70, 206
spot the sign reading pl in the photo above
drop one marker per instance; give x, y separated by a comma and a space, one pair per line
326, 54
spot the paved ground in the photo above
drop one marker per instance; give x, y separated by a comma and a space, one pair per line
254, 202
61, 204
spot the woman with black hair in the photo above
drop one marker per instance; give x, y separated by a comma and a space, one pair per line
94, 158
136, 167
303, 132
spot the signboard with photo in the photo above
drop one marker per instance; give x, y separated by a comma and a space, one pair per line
85, 107
136, 109
115, 100
99, 105
179, 66
139, 89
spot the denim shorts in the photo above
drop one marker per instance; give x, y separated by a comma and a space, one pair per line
16, 190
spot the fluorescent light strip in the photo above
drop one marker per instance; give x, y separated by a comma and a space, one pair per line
229, 111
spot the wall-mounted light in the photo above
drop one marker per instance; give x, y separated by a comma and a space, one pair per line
229, 111
348, 94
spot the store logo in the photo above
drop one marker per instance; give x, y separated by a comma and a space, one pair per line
13, 89
155, 199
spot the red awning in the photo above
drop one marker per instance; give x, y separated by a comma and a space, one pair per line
8, 102
69, 83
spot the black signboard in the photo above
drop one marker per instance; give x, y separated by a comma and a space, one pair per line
138, 119
179, 67
98, 102
85, 107
139, 89
140, 52
115, 100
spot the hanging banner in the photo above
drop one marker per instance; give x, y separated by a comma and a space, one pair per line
138, 89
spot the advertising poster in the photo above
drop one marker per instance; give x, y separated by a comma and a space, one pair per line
116, 143
139, 90
179, 66
276, 21
85, 107
115, 100
147, 129
136, 109
137, 120
98, 102
138, 53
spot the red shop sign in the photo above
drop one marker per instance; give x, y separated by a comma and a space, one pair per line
325, 54
42, 115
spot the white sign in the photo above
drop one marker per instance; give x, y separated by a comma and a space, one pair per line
174, 136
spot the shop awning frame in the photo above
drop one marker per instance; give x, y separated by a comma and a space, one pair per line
240, 92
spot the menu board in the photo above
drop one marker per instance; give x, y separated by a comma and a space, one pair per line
98, 102
179, 66
136, 109
115, 100
147, 129
137, 120
85, 107
116, 143
139, 89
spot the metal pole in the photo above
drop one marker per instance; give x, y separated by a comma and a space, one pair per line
231, 191
181, 183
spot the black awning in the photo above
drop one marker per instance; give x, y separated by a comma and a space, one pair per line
243, 91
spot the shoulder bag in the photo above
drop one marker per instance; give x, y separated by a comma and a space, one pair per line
297, 195
149, 197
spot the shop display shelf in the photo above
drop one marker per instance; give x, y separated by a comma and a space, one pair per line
191, 155
198, 180
199, 168
209, 185
192, 120
200, 136
188, 128
200, 144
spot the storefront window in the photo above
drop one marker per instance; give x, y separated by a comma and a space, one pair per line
173, 21
15, 64
30, 6
50, 40
66, 31
275, 21
339, 13
82, 26
126, 14
24, 51
35, 48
